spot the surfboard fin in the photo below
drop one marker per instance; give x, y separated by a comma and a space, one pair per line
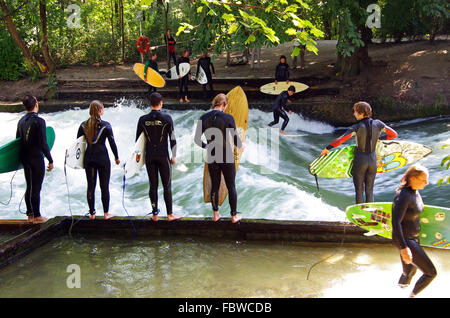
373, 232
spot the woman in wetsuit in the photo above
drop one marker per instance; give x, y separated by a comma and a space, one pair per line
367, 132
216, 125
96, 158
406, 211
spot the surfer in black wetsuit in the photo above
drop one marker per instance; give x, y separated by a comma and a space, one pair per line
406, 211
151, 62
280, 106
367, 132
282, 71
205, 63
33, 147
183, 81
218, 127
96, 158
158, 130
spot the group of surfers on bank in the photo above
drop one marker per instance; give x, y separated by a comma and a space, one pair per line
158, 128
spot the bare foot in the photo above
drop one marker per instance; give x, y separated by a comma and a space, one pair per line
155, 217
92, 216
282, 132
216, 216
39, 219
236, 218
108, 216
181, 100
30, 219
172, 217
187, 100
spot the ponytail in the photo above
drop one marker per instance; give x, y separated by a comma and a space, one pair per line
90, 127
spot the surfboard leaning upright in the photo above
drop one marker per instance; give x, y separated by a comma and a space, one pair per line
238, 108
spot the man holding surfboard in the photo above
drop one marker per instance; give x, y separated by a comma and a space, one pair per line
158, 130
151, 62
279, 107
33, 147
204, 62
218, 127
367, 131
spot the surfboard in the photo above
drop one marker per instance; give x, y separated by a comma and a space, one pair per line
183, 68
391, 154
202, 79
153, 78
238, 108
376, 218
9, 152
137, 158
276, 89
75, 154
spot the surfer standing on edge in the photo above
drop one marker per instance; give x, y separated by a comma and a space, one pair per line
406, 211
96, 158
367, 132
158, 130
217, 126
33, 145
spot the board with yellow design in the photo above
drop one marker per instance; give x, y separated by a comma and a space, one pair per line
376, 218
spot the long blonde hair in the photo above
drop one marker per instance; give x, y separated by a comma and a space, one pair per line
413, 171
90, 127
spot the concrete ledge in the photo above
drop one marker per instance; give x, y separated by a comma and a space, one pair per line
308, 232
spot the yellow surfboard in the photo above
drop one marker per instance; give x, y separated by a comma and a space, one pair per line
238, 108
153, 77
276, 89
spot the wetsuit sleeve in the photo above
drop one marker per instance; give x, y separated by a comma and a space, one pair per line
177, 68
198, 134
172, 139
212, 67
236, 139
145, 69
346, 136
284, 101
17, 131
112, 143
390, 133
277, 74
398, 213
198, 68
139, 130
44, 144
287, 72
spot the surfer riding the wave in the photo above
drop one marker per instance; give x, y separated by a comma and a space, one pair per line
367, 132
279, 108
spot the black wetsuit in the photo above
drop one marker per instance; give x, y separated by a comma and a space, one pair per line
183, 82
278, 109
367, 132
153, 65
406, 211
33, 148
218, 128
207, 66
96, 161
282, 72
158, 129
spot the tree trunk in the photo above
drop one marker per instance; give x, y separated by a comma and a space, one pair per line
15, 34
122, 28
45, 49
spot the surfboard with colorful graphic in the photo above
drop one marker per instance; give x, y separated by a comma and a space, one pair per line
391, 154
376, 218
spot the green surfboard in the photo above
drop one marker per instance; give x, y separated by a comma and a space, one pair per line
9, 153
377, 219
391, 154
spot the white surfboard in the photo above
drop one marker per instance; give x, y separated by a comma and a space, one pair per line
136, 160
183, 68
276, 89
202, 79
75, 154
